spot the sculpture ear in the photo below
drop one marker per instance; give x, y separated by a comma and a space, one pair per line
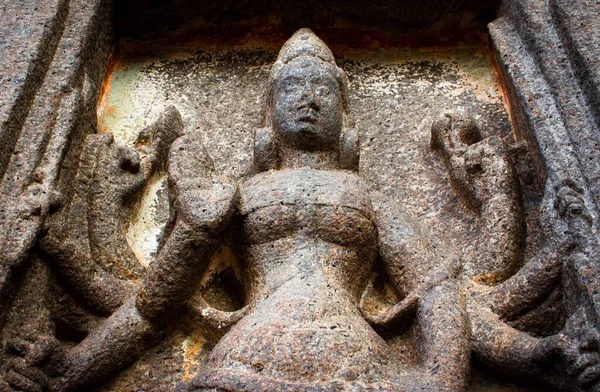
349, 150
265, 150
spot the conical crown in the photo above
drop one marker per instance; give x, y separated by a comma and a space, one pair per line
305, 43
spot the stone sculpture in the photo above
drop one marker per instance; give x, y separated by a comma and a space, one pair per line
501, 313
307, 230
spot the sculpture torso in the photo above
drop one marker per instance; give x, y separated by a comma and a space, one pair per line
309, 242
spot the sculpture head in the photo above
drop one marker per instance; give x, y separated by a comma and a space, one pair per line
307, 111
307, 105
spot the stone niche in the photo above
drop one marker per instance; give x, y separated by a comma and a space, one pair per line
476, 121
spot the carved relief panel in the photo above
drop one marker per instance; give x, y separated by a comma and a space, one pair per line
250, 222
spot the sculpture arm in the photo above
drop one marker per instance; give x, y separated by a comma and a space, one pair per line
499, 344
173, 277
98, 289
518, 353
483, 175
84, 239
422, 268
568, 359
527, 287
143, 319
203, 204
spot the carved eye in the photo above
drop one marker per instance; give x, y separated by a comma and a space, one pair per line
293, 84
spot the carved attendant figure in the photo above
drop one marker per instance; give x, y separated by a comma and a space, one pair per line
549, 290
308, 231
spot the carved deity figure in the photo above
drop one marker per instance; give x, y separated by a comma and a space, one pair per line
308, 230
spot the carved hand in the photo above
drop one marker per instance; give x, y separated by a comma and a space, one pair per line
33, 364
478, 168
155, 141
483, 175
570, 205
577, 347
203, 200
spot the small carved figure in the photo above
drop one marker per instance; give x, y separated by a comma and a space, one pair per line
559, 278
482, 174
308, 230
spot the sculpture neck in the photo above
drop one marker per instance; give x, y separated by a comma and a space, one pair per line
320, 160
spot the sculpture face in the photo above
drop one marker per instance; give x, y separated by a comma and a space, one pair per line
307, 101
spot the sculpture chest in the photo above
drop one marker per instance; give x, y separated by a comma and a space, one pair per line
331, 205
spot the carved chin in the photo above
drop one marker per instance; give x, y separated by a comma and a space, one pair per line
308, 136
307, 130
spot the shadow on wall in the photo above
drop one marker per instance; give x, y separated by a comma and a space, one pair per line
146, 19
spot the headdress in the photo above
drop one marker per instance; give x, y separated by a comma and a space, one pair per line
304, 43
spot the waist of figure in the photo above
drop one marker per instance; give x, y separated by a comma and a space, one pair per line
312, 351
308, 263
243, 382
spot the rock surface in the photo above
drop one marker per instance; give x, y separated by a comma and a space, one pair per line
111, 250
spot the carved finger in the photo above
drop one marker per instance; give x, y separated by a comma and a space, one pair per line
442, 137
20, 346
454, 130
398, 314
569, 190
580, 362
42, 350
23, 367
570, 204
156, 140
590, 375
566, 198
129, 159
474, 160
591, 341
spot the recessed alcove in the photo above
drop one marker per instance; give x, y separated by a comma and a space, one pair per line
406, 65
401, 78
85, 225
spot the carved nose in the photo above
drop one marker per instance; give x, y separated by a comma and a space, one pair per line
309, 98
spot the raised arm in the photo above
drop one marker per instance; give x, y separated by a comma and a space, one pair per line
84, 239
203, 204
569, 359
483, 175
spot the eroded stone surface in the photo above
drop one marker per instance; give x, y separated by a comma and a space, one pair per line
531, 301
395, 96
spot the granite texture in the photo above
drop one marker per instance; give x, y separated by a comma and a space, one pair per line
47, 113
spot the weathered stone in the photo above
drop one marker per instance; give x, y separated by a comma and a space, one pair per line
47, 115
261, 253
